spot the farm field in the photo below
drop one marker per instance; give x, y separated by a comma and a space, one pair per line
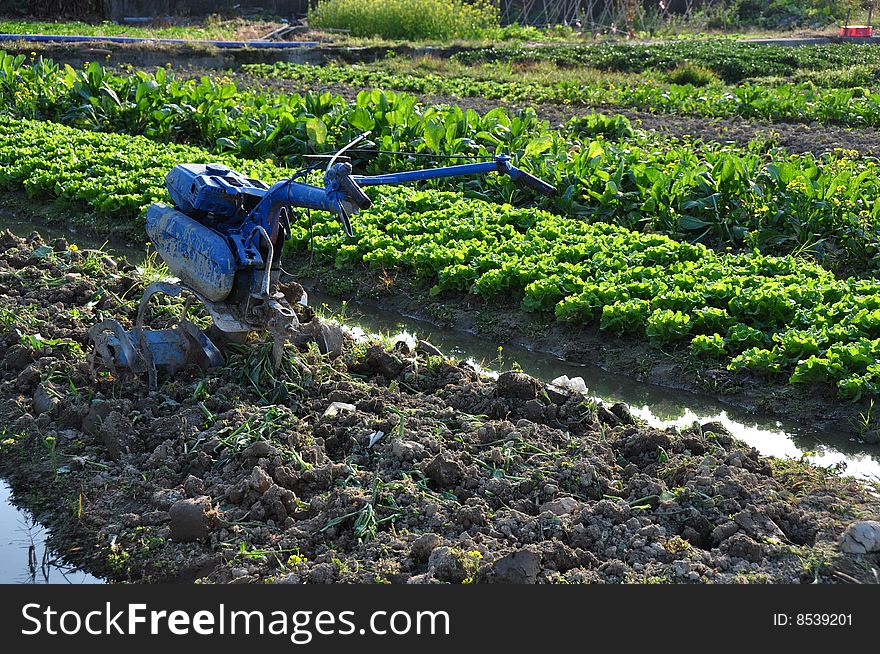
716, 229
214, 29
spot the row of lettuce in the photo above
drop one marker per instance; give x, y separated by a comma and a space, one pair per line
733, 61
719, 195
113, 177
773, 315
800, 101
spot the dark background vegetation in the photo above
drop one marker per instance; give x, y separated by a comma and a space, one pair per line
641, 14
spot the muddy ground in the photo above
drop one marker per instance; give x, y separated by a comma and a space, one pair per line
384, 465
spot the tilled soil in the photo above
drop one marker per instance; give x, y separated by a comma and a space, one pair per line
389, 464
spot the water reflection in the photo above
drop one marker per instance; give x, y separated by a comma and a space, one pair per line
25, 558
658, 406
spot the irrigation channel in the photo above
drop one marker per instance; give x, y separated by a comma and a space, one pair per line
25, 555
22, 538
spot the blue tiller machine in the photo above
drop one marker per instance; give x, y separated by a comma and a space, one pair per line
222, 240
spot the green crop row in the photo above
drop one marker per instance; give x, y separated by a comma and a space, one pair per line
719, 195
209, 29
113, 176
731, 60
804, 101
774, 315
779, 315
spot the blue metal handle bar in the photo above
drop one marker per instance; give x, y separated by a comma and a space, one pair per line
500, 164
432, 173
330, 197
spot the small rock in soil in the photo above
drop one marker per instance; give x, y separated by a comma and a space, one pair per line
517, 386
562, 506
423, 546
861, 537
444, 470
520, 567
191, 519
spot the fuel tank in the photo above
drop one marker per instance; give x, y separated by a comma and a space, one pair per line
196, 254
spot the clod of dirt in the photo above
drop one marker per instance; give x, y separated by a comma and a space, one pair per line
427, 348
407, 450
423, 546
520, 567
533, 410
861, 537
517, 386
383, 362
292, 291
260, 480
285, 477
193, 486
444, 470
192, 519
724, 531
744, 547
130, 520
447, 564
562, 506
622, 411
259, 450
607, 417
44, 401
97, 414
116, 432
557, 394
17, 358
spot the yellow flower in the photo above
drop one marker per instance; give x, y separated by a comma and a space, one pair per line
72, 247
